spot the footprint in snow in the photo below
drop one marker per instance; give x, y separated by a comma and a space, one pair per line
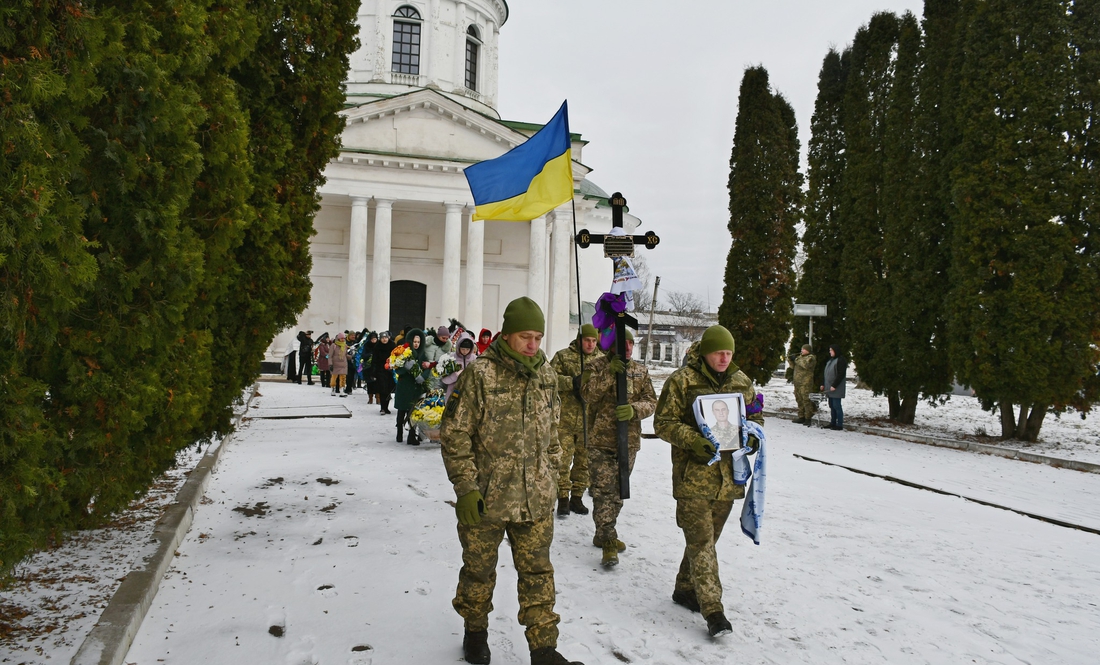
327, 590
423, 588
361, 655
390, 548
351, 541
302, 653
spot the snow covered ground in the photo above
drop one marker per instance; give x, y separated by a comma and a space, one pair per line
327, 542
1067, 436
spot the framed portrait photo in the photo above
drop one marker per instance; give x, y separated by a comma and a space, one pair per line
722, 415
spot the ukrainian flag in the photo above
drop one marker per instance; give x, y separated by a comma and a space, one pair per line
529, 180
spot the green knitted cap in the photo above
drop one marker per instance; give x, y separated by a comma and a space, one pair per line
716, 338
589, 330
807, 348
629, 335
523, 314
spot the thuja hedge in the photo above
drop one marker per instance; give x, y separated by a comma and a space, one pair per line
159, 165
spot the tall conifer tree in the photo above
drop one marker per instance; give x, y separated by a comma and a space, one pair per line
765, 197
863, 204
820, 282
1024, 296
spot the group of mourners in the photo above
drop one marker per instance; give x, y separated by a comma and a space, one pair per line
514, 447
362, 360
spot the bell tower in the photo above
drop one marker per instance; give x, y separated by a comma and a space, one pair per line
447, 45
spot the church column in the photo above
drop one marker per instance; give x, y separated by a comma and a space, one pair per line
558, 319
460, 46
356, 308
475, 274
380, 297
536, 268
452, 259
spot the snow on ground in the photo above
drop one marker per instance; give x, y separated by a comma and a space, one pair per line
328, 542
1067, 436
55, 597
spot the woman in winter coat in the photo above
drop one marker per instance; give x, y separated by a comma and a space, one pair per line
836, 370
339, 362
324, 360
366, 358
465, 353
383, 378
484, 339
409, 389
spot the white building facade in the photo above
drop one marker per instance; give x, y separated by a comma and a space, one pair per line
394, 244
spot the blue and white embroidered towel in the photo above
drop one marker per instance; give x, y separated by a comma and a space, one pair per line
752, 510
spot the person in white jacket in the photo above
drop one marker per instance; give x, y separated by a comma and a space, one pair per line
465, 353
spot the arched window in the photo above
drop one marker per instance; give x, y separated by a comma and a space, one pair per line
473, 45
406, 40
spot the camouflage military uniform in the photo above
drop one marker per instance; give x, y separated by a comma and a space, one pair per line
704, 494
804, 384
603, 453
574, 457
499, 436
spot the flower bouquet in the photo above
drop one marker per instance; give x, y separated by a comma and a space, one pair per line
398, 357
427, 415
447, 364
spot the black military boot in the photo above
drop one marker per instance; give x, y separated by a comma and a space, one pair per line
475, 647
686, 599
577, 506
550, 656
718, 625
799, 421
563, 507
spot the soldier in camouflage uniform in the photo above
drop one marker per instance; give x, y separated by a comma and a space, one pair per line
804, 365
603, 453
500, 448
574, 455
704, 494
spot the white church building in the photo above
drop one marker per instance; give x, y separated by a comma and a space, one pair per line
394, 244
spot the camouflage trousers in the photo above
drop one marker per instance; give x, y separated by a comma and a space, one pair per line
573, 474
606, 504
530, 543
806, 407
702, 521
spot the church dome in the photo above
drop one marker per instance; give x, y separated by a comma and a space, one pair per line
450, 46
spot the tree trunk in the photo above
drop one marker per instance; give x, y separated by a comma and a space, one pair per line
1035, 421
1008, 421
908, 411
1021, 424
895, 404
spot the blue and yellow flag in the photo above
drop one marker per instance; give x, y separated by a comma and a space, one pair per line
529, 180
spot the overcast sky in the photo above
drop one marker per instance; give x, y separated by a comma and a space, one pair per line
652, 85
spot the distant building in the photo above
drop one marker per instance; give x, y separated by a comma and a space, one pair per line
394, 244
673, 335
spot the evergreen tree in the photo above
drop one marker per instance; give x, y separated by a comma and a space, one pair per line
1024, 295
292, 87
46, 82
916, 254
765, 197
863, 203
823, 245
1084, 218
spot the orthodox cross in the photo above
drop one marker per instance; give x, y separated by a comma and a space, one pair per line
618, 246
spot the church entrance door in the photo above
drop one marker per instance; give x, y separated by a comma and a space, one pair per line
408, 304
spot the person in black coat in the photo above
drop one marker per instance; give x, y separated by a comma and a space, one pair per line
305, 356
383, 378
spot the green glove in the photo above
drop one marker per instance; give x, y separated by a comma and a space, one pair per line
470, 508
754, 444
585, 376
702, 449
624, 412
617, 365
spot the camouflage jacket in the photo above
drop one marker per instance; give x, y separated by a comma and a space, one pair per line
674, 422
600, 394
804, 370
499, 436
567, 363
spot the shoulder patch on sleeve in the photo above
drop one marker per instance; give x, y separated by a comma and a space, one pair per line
452, 404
